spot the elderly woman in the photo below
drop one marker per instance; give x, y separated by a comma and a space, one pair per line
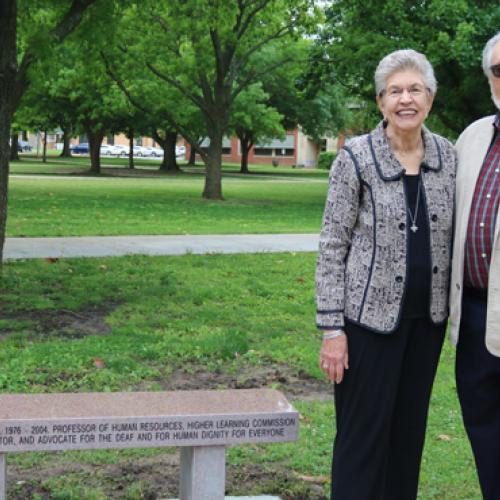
382, 284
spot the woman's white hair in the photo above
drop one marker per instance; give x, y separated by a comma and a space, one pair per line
487, 53
401, 60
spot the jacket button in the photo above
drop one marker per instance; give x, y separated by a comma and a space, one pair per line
435, 269
402, 226
434, 217
399, 279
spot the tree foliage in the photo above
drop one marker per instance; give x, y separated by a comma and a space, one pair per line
204, 50
452, 33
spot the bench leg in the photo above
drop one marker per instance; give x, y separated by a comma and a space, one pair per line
3, 476
203, 473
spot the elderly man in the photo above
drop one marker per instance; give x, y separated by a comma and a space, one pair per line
475, 284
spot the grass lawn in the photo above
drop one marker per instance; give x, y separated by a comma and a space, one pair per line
30, 164
161, 323
274, 201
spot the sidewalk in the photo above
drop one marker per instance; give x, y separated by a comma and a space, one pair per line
109, 246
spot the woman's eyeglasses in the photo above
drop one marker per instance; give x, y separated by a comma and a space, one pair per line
415, 92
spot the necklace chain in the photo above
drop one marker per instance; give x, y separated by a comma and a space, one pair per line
413, 218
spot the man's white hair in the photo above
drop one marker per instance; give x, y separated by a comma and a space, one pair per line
488, 53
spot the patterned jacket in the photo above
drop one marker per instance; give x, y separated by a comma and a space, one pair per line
362, 263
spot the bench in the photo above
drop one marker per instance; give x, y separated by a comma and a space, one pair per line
201, 423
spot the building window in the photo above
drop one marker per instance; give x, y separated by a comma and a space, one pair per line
284, 152
263, 152
110, 139
322, 145
226, 151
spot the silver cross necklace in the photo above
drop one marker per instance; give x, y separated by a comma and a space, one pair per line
413, 218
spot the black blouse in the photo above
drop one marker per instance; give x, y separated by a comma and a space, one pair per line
417, 299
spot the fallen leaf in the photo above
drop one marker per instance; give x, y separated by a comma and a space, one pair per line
51, 260
99, 363
444, 437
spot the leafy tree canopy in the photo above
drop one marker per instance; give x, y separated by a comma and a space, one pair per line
452, 33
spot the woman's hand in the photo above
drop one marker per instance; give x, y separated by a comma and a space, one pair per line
334, 358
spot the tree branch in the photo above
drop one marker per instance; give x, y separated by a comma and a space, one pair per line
72, 19
251, 15
164, 27
219, 62
205, 88
255, 76
178, 85
274, 36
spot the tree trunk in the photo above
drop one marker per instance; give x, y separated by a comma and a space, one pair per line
95, 140
44, 154
66, 152
131, 148
8, 66
213, 177
14, 153
5, 122
169, 163
192, 155
246, 143
14, 81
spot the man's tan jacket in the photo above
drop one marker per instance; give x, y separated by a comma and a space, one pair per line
472, 147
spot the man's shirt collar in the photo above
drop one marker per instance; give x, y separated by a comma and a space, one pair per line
496, 123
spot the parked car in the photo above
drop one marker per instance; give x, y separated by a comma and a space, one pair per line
146, 151
82, 148
140, 151
180, 150
23, 146
119, 150
156, 152
106, 150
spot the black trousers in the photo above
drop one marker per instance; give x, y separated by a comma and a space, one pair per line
381, 409
478, 385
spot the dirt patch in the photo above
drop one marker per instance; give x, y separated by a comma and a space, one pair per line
90, 320
137, 172
158, 477
282, 377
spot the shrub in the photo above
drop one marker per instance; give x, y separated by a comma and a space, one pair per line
325, 159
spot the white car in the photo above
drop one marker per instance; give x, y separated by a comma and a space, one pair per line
119, 150
106, 150
145, 151
156, 152
139, 151
180, 151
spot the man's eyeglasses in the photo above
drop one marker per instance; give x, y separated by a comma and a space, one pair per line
495, 70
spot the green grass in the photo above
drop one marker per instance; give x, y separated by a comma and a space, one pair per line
221, 315
30, 164
66, 206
